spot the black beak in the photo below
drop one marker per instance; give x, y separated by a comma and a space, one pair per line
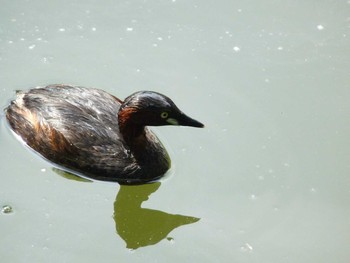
184, 120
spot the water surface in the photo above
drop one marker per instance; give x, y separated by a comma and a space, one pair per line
267, 180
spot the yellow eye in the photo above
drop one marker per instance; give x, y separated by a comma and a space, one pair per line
164, 115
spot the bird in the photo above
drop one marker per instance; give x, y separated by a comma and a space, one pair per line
89, 132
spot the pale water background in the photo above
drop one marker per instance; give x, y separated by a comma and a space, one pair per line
269, 176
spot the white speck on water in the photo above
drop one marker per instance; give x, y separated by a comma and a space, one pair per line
271, 171
286, 164
320, 27
252, 197
267, 80
62, 29
138, 70
246, 248
261, 177
46, 60
160, 38
10, 42
257, 166
279, 48
94, 29
129, 29
43, 170
31, 46
239, 10
236, 49
313, 190
155, 45
241, 231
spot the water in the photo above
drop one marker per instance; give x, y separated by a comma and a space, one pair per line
265, 181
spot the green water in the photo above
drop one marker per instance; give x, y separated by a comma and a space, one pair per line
267, 179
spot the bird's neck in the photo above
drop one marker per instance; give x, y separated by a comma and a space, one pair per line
132, 133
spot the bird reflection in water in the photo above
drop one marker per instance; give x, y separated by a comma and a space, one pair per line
140, 227
137, 226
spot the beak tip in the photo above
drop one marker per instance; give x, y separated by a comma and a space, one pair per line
184, 120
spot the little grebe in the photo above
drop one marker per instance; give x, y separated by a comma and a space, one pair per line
93, 133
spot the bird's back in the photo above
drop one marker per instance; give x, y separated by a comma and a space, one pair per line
72, 126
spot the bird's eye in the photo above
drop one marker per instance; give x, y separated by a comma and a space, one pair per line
164, 115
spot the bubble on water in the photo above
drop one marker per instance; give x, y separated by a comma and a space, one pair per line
129, 29
241, 231
32, 46
252, 197
261, 177
94, 29
62, 29
170, 239
6, 209
236, 49
279, 48
313, 190
46, 60
43, 170
320, 27
246, 248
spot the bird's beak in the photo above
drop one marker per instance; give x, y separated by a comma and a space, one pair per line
183, 120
